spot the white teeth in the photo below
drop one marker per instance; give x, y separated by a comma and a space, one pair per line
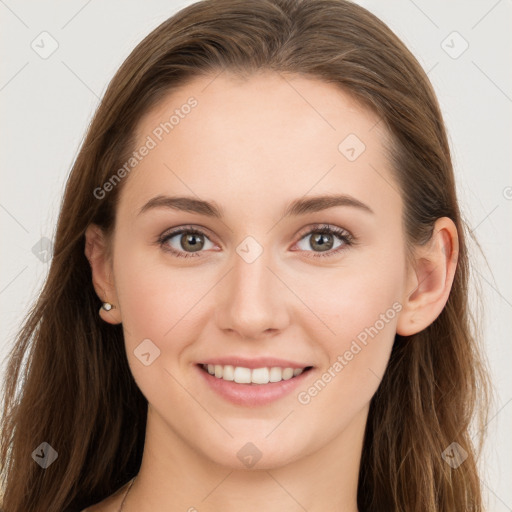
243, 375
260, 376
228, 373
287, 373
276, 374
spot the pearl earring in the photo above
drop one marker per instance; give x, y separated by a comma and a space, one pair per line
107, 306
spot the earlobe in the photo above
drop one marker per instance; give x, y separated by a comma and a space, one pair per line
430, 280
101, 269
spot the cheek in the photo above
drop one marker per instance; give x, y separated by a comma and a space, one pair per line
358, 308
159, 301
143, 299
345, 301
150, 299
157, 304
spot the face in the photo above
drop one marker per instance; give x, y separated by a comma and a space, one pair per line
262, 280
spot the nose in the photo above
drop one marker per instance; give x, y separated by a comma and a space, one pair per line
253, 302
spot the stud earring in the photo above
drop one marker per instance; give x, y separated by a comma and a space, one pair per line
107, 306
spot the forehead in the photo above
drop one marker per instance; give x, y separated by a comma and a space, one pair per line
270, 137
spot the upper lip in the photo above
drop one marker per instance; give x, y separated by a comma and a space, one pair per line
256, 362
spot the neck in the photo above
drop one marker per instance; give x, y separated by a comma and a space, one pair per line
175, 477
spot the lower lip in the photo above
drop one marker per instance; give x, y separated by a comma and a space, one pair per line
252, 395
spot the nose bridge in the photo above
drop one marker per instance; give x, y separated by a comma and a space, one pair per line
251, 276
251, 303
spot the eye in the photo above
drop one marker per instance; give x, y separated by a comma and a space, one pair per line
193, 241
323, 240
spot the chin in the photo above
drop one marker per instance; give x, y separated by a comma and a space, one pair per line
254, 453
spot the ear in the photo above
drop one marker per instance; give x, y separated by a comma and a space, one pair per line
430, 281
98, 255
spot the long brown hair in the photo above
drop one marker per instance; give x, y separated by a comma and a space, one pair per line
68, 382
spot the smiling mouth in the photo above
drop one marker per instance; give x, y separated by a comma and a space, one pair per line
255, 376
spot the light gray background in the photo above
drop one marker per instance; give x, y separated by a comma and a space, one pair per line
47, 104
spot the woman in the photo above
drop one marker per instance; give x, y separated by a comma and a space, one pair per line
264, 208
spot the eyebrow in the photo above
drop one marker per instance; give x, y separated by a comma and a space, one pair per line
301, 206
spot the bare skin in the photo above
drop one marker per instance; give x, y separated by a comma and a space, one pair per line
252, 147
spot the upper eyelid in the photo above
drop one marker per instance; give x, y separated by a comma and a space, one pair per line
322, 226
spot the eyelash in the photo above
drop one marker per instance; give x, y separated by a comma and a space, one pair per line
347, 239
